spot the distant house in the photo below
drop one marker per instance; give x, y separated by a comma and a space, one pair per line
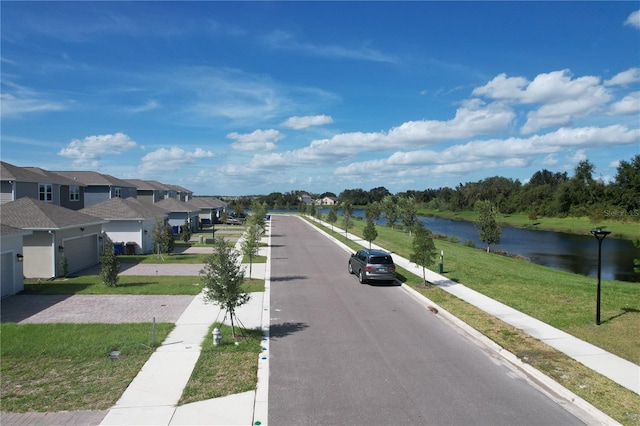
306, 199
57, 234
178, 211
11, 259
130, 222
211, 208
100, 187
17, 182
327, 201
181, 193
149, 191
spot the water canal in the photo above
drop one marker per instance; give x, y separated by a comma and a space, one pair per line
568, 252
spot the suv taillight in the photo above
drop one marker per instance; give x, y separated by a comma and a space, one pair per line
369, 268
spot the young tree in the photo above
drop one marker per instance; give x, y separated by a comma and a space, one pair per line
347, 211
487, 226
369, 232
222, 278
389, 210
332, 216
162, 238
251, 244
408, 212
186, 231
424, 250
109, 264
372, 211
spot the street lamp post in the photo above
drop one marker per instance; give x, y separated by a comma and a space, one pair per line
600, 234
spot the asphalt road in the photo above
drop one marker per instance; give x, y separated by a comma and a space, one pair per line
344, 353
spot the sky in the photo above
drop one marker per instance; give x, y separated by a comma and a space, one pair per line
250, 98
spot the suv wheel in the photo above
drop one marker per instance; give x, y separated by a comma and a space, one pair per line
350, 268
361, 277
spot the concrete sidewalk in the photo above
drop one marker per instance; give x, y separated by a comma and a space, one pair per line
619, 370
152, 397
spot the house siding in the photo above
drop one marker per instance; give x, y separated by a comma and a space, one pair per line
12, 270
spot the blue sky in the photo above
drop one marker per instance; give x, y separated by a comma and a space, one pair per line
240, 98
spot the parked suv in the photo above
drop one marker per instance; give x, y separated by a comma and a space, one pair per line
371, 265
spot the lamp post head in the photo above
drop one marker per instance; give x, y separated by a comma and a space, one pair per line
600, 234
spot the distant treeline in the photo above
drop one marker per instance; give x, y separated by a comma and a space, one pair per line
545, 194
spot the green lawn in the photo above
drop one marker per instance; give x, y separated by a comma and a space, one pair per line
58, 367
226, 369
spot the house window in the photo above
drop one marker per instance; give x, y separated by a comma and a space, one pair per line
45, 192
74, 193
117, 192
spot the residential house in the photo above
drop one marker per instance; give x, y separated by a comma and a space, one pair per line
99, 186
181, 193
149, 191
11, 259
58, 236
327, 201
306, 199
130, 222
179, 211
212, 208
34, 182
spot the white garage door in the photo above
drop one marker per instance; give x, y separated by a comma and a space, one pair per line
81, 252
6, 274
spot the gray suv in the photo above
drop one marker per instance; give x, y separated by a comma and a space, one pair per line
371, 265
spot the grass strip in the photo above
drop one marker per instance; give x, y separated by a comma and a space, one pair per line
63, 367
227, 369
618, 402
130, 284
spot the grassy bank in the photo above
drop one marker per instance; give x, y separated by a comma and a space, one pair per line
624, 229
566, 301
58, 367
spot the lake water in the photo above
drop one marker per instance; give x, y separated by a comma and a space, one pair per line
567, 252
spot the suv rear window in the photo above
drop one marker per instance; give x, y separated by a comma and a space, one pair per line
381, 260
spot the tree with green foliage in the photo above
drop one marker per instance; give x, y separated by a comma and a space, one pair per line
488, 228
162, 236
423, 249
347, 211
302, 207
372, 211
389, 210
408, 212
186, 231
109, 264
251, 243
222, 279
370, 232
332, 216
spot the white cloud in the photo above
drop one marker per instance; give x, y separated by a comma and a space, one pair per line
633, 19
88, 151
307, 121
472, 119
561, 96
283, 40
165, 160
259, 140
632, 75
147, 106
486, 154
628, 105
27, 102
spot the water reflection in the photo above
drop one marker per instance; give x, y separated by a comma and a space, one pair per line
568, 252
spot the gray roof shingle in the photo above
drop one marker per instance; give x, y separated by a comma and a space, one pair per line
27, 213
125, 209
